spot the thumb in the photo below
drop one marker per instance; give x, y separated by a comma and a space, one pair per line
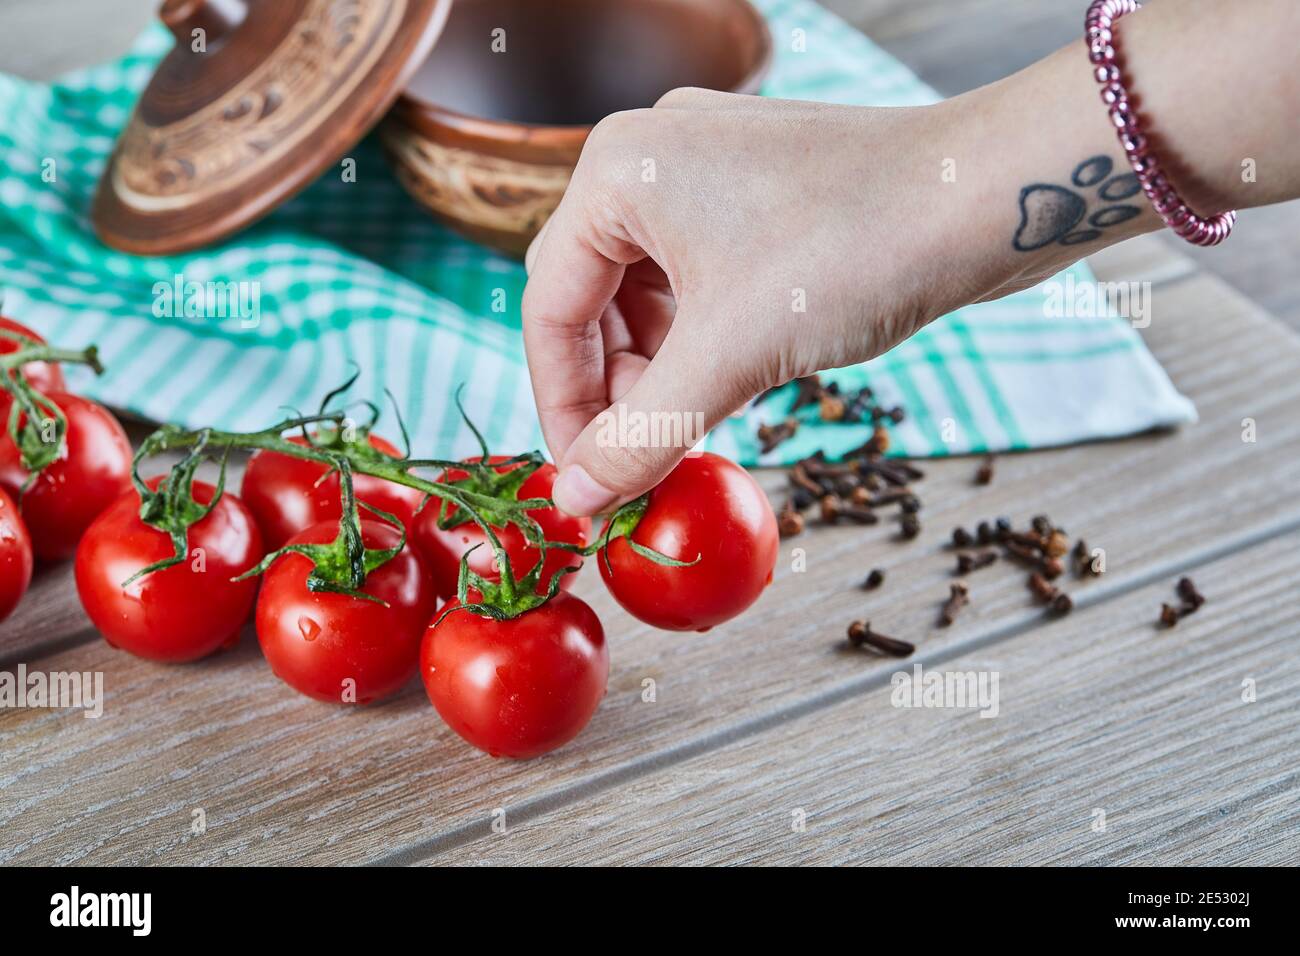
632, 445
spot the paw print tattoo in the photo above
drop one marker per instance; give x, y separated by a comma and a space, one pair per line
1051, 213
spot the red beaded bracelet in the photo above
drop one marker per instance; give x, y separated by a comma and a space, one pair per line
1101, 17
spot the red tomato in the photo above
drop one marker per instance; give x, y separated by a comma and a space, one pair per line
517, 688
315, 641
15, 556
283, 494
92, 471
42, 376
710, 507
443, 548
180, 613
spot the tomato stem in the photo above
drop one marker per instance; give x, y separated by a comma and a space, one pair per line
36, 425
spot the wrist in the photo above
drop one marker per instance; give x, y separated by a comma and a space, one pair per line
1038, 178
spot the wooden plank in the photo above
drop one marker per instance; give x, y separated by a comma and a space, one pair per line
1184, 770
281, 778
1146, 258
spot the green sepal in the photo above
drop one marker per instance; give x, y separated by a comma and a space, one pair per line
621, 524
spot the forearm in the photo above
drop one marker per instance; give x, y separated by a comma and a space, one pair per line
1217, 89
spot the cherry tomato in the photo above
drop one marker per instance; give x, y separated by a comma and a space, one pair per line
92, 471
340, 648
15, 556
707, 507
517, 688
283, 494
180, 613
42, 376
443, 547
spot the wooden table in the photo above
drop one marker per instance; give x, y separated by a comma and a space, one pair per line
766, 740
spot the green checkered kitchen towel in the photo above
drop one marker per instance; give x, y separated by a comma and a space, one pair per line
356, 273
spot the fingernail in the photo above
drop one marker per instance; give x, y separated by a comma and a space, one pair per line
578, 493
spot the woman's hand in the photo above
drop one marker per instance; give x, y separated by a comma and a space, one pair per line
712, 248
718, 245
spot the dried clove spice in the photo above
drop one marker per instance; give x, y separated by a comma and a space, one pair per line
1192, 600
1057, 601
860, 633
833, 508
1061, 604
789, 522
984, 474
1057, 544
1082, 557
810, 391
769, 436
800, 478
874, 579
1190, 595
973, 561
831, 408
958, 598
1043, 589
909, 525
961, 538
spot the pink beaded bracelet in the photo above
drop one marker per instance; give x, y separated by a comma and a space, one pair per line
1101, 17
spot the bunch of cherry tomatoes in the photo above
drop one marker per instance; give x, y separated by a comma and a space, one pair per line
515, 684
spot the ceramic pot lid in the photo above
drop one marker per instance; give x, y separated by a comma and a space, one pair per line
276, 92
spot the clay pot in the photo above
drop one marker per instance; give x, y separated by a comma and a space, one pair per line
487, 133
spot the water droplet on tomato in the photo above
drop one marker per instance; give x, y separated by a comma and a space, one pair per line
309, 629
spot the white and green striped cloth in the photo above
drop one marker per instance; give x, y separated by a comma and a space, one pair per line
356, 273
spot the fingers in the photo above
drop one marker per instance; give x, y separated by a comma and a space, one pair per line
633, 444
570, 284
576, 266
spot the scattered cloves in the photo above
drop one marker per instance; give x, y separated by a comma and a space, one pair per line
1061, 604
1057, 601
831, 408
810, 391
1043, 589
958, 598
789, 522
984, 474
1192, 600
909, 525
1057, 544
833, 508
973, 561
860, 633
1190, 595
874, 579
769, 436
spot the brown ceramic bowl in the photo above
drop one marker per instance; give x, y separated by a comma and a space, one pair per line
487, 140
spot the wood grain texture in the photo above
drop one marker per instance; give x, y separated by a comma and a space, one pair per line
282, 778
1098, 712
